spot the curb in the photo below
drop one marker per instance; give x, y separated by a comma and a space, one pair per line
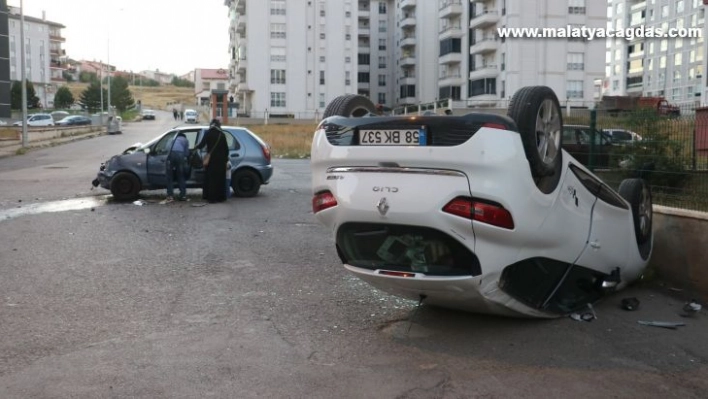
7, 151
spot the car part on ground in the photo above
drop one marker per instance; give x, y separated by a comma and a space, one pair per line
352, 105
480, 212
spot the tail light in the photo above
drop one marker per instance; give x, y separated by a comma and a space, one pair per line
322, 201
485, 212
266, 152
495, 125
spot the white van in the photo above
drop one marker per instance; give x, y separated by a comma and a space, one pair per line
191, 116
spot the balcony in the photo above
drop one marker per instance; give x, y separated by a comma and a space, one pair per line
407, 4
408, 41
408, 100
450, 8
241, 7
363, 86
364, 12
241, 25
451, 31
364, 48
484, 20
484, 71
364, 30
450, 79
242, 65
408, 80
408, 22
451, 58
243, 87
485, 46
56, 38
407, 60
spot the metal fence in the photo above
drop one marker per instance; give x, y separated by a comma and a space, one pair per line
667, 147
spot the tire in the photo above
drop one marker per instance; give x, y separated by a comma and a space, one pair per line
125, 186
350, 105
245, 183
638, 194
537, 114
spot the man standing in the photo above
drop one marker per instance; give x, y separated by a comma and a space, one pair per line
177, 164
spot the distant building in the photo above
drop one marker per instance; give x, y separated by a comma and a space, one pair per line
45, 59
189, 76
208, 80
161, 77
673, 68
5, 84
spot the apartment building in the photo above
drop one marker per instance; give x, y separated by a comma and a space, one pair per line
5, 84
499, 66
45, 59
292, 57
670, 67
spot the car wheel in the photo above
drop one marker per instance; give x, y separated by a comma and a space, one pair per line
638, 194
350, 105
537, 114
125, 186
245, 183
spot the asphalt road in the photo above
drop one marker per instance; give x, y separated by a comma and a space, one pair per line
247, 299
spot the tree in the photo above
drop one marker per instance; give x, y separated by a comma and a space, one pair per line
91, 97
16, 95
178, 82
121, 97
63, 99
87, 77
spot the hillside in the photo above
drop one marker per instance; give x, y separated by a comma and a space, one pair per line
151, 97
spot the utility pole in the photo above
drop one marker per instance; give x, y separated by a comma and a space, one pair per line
108, 47
25, 138
100, 79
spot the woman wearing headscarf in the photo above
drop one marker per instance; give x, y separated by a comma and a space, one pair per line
214, 189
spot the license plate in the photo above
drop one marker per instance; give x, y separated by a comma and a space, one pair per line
415, 137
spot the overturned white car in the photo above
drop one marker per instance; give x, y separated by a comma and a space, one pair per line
481, 212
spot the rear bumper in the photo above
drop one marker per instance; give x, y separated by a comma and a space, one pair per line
472, 294
266, 172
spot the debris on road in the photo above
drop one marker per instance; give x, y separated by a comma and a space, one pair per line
663, 324
139, 202
691, 308
630, 303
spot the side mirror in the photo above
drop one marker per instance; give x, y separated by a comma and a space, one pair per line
147, 150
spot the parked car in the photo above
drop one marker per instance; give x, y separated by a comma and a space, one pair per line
191, 116
576, 140
75, 120
37, 120
142, 166
148, 114
622, 136
480, 212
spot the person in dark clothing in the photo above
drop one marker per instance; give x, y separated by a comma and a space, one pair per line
214, 189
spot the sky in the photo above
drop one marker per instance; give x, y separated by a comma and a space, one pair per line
173, 36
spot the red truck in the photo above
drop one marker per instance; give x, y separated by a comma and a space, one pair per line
619, 104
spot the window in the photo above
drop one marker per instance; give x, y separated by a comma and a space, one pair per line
277, 76
382, 80
679, 6
322, 77
277, 7
348, 60
364, 59
277, 31
665, 11
322, 58
322, 100
322, 35
383, 25
347, 78
382, 62
575, 89
664, 45
576, 61
677, 76
382, 98
676, 93
407, 91
277, 99
277, 54
482, 86
662, 61
678, 43
678, 58
576, 6
382, 7
382, 44
448, 46
363, 77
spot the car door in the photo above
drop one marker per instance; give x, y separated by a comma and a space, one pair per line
157, 160
192, 169
237, 151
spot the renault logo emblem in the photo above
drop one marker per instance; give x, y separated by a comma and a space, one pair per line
382, 206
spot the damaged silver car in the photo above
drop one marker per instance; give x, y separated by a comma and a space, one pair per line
142, 166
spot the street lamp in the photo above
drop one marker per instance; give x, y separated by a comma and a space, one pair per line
23, 75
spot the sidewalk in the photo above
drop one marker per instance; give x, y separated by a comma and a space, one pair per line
11, 147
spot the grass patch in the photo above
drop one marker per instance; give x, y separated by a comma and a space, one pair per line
8, 133
21, 151
152, 97
287, 141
